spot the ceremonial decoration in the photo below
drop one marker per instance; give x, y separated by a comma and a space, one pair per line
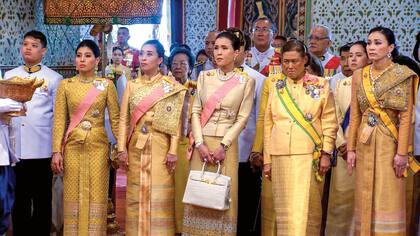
81, 12
20, 90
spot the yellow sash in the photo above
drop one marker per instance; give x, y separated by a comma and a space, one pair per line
297, 115
414, 166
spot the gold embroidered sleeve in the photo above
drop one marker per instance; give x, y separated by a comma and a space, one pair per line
329, 121
124, 119
355, 113
243, 113
113, 108
404, 131
60, 116
259, 128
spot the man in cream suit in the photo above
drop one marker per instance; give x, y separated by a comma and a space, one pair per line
31, 142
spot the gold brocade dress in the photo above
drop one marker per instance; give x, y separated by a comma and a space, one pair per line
296, 192
380, 200
86, 162
224, 126
150, 197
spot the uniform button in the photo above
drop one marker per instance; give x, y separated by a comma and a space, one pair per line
23, 124
215, 122
287, 133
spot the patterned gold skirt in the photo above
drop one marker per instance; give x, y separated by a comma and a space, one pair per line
86, 175
297, 195
150, 189
200, 221
380, 196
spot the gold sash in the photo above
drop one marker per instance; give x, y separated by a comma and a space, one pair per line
297, 115
414, 166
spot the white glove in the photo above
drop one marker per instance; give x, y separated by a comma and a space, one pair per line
9, 105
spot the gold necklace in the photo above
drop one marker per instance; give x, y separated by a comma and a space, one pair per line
85, 79
380, 74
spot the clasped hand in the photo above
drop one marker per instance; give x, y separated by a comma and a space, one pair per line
216, 157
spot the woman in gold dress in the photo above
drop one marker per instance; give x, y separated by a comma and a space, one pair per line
216, 142
181, 63
81, 149
341, 197
148, 138
379, 137
300, 129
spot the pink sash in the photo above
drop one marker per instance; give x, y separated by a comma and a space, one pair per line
143, 106
210, 106
80, 112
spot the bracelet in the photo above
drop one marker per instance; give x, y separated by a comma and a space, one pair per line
197, 144
225, 147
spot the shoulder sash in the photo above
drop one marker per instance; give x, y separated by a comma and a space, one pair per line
80, 111
297, 115
414, 166
210, 106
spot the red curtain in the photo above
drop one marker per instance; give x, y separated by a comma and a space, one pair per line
80, 12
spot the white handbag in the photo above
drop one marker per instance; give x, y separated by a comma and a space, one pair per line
208, 189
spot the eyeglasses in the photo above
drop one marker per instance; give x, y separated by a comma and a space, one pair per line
263, 30
181, 63
316, 38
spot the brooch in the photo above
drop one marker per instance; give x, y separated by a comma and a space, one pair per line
100, 84
280, 84
372, 120
95, 113
313, 91
308, 117
167, 88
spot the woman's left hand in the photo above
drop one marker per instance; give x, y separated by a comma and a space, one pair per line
400, 163
324, 164
170, 162
219, 155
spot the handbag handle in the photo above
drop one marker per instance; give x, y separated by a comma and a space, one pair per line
204, 168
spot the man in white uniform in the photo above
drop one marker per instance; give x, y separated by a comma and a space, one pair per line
31, 142
263, 30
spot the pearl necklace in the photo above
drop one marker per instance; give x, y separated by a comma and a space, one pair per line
380, 74
224, 77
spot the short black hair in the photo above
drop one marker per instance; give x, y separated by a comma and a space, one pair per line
118, 48
201, 52
91, 45
37, 35
158, 46
361, 43
344, 48
281, 37
123, 28
273, 27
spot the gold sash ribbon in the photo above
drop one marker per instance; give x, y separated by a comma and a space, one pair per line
297, 115
414, 165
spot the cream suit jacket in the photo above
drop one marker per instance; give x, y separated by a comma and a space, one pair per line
231, 114
282, 136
